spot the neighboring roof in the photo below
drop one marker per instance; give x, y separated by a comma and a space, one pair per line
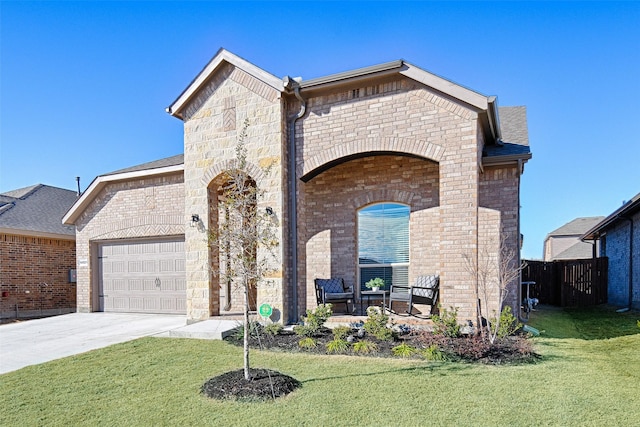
580, 250
624, 211
37, 210
168, 165
576, 227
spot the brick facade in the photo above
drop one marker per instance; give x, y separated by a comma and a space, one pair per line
34, 276
404, 136
129, 209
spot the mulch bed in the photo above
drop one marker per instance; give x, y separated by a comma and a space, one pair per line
264, 384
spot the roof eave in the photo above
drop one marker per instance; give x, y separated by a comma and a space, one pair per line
222, 56
35, 233
351, 76
504, 160
100, 182
596, 231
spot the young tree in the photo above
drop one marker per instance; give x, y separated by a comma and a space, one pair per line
245, 238
494, 269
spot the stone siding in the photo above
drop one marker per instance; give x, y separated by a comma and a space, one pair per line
34, 276
212, 128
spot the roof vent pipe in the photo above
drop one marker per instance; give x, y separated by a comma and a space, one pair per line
78, 183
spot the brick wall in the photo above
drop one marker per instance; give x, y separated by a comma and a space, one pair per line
334, 197
26, 265
616, 249
146, 207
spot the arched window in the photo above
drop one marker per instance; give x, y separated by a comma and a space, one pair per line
383, 244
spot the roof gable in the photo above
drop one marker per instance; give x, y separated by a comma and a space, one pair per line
217, 63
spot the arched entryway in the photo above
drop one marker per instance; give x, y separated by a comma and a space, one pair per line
232, 202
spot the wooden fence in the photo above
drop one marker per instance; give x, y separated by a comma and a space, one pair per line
568, 283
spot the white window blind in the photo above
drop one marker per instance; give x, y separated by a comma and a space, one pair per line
383, 243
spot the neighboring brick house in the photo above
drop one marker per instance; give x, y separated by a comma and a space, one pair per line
37, 252
389, 147
619, 237
565, 243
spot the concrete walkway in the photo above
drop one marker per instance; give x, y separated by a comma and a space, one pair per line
41, 340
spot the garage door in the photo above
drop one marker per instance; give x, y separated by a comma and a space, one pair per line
146, 276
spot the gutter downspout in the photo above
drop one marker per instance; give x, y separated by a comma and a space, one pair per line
293, 200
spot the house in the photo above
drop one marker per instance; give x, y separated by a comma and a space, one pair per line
619, 238
37, 252
565, 243
386, 170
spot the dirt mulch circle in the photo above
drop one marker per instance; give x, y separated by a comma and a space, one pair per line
264, 384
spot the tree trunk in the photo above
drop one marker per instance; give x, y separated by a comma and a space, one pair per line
246, 331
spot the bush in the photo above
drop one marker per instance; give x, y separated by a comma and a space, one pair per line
509, 325
314, 321
337, 346
434, 354
255, 329
446, 323
273, 329
376, 324
307, 343
341, 332
365, 347
403, 350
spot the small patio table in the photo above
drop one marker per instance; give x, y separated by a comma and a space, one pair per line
374, 294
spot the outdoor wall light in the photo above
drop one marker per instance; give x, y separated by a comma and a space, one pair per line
269, 211
195, 219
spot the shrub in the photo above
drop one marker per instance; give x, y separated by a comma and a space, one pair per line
434, 354
403, 350
508, 323
376, 324
341, 332
307, 343
314, 321
337, 346
273, 329
365, 347
255, 328
446, 323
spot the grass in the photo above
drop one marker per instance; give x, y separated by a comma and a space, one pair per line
589, 375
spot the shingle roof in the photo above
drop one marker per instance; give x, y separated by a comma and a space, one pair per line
576, 227
167, 161
38, 209
580, 250
515, 136
626, 210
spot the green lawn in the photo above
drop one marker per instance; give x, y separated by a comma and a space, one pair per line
589, 375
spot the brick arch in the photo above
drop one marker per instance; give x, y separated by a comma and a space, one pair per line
382, 195
311, 166
232, 164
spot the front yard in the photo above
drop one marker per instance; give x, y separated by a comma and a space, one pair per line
589, 375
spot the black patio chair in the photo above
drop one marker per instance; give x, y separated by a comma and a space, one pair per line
332, 291
424, 291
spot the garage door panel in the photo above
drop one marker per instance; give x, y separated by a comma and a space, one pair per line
143, 276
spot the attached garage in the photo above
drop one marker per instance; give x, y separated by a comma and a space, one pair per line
142, 276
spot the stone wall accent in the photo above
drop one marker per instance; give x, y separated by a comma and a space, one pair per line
34, 276
209, 150
129, 209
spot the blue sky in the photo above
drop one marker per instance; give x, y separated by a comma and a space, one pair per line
84, 84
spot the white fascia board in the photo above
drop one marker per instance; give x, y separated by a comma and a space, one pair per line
228, 57
41, 234
100, 182
440, 84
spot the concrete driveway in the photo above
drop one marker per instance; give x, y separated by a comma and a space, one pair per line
41, 340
